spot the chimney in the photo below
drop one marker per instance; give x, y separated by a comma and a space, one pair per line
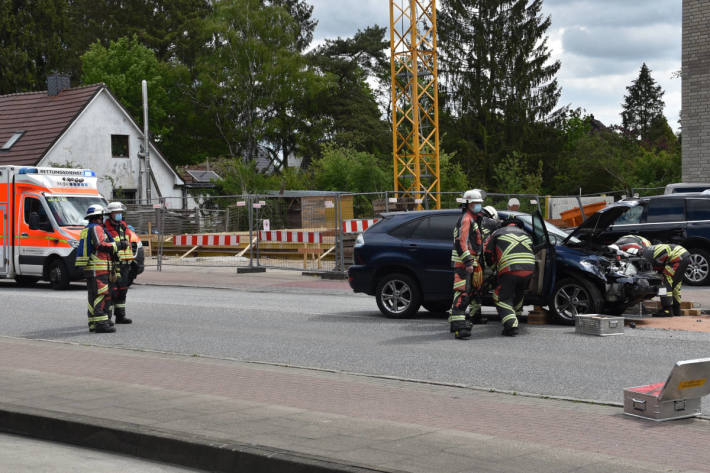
57, 82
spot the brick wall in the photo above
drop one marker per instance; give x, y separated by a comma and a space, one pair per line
696, 91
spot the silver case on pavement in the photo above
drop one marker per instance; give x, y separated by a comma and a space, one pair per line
678, 398
599, 324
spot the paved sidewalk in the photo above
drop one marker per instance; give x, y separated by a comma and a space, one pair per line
226, 415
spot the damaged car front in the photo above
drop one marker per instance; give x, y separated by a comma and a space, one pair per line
623, 280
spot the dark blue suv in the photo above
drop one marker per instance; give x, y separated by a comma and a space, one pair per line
405, 262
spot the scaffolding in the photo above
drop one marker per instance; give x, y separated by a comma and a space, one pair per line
415, 101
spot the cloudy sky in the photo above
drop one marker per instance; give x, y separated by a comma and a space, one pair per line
601, 44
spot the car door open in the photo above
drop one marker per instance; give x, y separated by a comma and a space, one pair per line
544, 278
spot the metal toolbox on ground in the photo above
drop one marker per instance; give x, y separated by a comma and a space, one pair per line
599, 324
677, 398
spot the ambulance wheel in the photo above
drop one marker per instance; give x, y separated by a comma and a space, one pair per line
58, 275
26, 281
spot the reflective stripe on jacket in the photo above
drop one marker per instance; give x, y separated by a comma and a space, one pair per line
467, 240
510, 249
119, 232
97, 242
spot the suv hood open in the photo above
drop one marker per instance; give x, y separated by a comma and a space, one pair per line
601, 220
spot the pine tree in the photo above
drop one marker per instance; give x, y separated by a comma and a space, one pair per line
642, 104
497, 78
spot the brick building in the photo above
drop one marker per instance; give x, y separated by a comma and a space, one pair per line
696, 91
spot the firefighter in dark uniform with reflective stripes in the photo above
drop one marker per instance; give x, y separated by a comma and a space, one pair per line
510, 249
468, 273
116, 228
488, 222
95, 254
670, 261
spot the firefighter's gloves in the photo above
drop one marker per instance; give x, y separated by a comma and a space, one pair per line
477, 277
122, 245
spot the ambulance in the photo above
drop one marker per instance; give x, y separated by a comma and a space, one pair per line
42, 213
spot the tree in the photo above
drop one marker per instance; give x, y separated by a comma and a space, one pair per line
350, 105
32, 43
252, 79
643, 103
497, 78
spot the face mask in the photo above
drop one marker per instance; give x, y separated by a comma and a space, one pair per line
117, 217
477, 208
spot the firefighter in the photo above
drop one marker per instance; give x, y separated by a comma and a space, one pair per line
468, 273
116, 228
509, 250
670, 261
94, 254
487, 223
631, 244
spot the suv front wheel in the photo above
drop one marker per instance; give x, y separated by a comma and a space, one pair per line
698, 271
398, 295
572, 297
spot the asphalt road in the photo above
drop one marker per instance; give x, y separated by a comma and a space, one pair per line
346, 332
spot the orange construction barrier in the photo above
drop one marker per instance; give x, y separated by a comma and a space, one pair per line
573, 217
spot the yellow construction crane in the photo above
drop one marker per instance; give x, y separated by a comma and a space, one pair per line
415, 101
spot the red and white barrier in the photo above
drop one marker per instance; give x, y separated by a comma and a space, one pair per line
358, 225
290, 236
206, 240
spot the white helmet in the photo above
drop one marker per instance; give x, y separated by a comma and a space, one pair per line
94, 211
473, 195
114, 207
491, 211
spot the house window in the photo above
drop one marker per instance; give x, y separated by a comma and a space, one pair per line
125, 195
119, 146
13, 139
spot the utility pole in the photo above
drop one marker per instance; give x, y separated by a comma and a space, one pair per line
415, 100
145, 142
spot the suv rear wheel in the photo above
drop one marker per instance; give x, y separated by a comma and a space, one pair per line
574, 296
698, 271
398, 295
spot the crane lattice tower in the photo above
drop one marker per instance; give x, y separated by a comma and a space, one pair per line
415, 101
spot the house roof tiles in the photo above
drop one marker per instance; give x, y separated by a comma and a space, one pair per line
43, 119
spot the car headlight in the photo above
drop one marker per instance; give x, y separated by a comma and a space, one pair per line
359, 241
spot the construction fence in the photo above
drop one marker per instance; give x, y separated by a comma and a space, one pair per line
307, 231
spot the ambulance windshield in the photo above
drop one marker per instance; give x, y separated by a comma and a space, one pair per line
69, 211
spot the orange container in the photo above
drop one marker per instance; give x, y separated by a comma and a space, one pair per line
573, 217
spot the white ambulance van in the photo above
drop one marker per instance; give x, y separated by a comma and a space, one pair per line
42, 214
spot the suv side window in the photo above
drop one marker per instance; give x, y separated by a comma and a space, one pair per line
436, 227
665, 210
631, 216
406, 229
698, 209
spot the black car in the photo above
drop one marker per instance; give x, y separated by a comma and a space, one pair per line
404, 261
683, 219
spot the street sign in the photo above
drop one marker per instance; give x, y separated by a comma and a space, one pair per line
267, 224
393, 200
241, 203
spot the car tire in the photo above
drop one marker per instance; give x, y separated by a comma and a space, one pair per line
398, 295
573, 296
437, 307
26, 281
58, 275
698, 272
